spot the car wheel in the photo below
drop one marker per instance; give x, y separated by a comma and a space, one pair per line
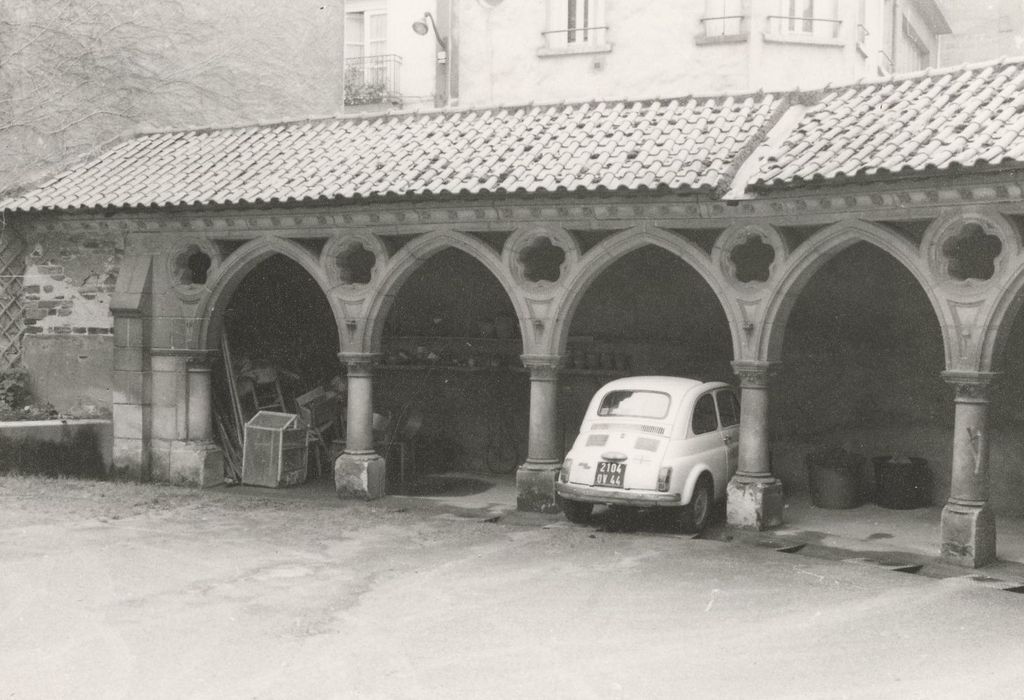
577, 511
695, 516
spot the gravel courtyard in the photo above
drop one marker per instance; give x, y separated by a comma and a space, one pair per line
114, 590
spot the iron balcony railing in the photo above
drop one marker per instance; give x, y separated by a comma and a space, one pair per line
727, 25
816, 27
373, 79
574, 37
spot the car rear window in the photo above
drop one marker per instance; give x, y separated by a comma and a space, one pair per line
635, 404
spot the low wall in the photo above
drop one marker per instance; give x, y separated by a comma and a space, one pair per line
81, 448
71, 372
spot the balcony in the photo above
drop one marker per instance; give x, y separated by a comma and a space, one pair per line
372, 80
723, 30
575, 40
803, 30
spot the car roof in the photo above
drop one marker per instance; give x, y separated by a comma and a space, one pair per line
674, 385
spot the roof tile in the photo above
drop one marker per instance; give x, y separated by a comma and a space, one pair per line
957, 117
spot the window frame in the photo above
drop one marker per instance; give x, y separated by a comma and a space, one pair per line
735, 405
573, 27
714, 413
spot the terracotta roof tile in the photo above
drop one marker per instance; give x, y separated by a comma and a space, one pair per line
959, 117
529, 148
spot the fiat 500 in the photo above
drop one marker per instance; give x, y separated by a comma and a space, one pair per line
653, 442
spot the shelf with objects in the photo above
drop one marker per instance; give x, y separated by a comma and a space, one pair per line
451, 349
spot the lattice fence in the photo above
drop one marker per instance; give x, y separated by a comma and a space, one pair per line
12, 271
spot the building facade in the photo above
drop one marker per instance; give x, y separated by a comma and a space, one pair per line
544, 50
854, 259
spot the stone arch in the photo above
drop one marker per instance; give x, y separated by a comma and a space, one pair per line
404, 263
812, 255
997, 325
240, 263
607, 252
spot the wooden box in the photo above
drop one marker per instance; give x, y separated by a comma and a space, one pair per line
275, 449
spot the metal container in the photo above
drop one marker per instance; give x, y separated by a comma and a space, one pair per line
275, 449
901, 482
834, 478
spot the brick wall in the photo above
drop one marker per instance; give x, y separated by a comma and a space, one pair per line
68, 282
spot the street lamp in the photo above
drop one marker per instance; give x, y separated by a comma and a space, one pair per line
422, 28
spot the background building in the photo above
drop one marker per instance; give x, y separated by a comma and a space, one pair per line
544, 50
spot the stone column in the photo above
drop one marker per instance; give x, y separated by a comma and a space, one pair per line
535, 480
968, 524
754, 495
200, 399
359, 470
183, 449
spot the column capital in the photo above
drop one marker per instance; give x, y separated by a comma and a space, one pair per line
754, 374
542, 367
358, 363
971, 387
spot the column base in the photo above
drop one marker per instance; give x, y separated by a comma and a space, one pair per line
129, 461
359, 475
194, 463
535, 487
754, 503
968, 534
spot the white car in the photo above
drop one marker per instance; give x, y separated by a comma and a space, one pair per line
653, 442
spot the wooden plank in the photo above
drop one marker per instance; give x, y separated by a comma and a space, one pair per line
236, 404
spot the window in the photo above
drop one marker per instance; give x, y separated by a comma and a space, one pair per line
813, 19
366, 34
913, 53
575, 26
635, 404
800, 17
705, 420
370, 73
728, 408
723, 18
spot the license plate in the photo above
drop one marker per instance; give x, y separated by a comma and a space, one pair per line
610, 474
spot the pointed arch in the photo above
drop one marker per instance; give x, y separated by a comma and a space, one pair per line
812, 255
415, 254
601, 256
999, 323
239, 264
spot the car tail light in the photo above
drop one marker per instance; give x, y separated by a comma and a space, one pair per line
664, 477
563, 473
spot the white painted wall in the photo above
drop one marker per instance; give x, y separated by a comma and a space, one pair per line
652, 50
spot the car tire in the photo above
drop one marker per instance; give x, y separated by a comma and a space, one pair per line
577, 511
694, 517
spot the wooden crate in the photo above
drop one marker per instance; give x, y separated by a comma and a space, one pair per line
275, 450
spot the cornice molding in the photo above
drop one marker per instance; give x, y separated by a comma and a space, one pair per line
879, 201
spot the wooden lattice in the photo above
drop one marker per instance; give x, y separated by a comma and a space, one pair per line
12, 271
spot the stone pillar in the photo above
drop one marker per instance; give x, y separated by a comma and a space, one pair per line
130, 398
200, 399
359, 470
754, 495
535, 480
182, 447
968, 524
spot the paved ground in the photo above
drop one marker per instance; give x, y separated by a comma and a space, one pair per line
124, 591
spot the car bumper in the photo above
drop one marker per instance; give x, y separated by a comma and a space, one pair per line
618, 497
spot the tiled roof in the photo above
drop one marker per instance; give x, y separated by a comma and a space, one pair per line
685, 144
959, 117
